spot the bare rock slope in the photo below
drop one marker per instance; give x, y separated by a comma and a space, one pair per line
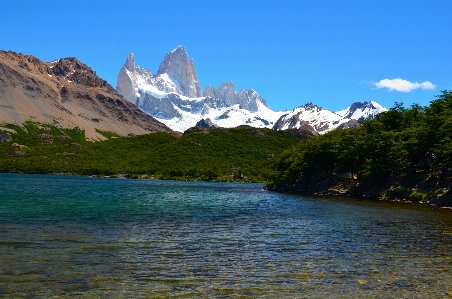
68, 93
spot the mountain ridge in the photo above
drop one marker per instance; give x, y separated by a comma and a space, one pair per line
165, 97
162, 97
362, 110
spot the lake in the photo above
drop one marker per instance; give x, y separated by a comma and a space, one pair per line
66, 237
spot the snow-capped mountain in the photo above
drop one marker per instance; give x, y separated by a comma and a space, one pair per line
359, 111
174, 96
315, 117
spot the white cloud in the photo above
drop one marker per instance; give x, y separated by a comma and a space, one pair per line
402, 85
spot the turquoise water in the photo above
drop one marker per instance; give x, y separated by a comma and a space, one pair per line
66, 237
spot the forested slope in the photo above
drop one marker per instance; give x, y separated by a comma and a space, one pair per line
402, 153
238, 154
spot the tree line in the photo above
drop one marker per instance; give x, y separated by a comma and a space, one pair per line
404, 153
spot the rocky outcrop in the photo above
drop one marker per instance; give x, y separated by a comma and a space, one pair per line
205, 123
182, 70
226, 95
5, 138
130, 62
159, 107
73, 70
68, 93
127, 80
293, 122
17, 153
349, 124
167, 107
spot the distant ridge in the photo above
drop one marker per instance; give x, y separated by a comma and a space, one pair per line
361, 111
173, 95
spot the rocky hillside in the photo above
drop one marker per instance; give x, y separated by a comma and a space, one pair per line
68, 93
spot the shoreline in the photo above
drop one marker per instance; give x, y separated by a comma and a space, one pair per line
134, 177
433, 202
374, 199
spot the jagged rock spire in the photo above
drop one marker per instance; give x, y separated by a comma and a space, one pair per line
130, 62
126, 83
178, 66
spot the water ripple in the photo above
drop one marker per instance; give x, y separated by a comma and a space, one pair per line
86, 237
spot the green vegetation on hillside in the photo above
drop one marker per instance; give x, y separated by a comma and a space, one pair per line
403, 153
239, 154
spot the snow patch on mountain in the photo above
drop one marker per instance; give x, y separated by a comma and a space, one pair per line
226, 117
320, 119
175, 98
360, 111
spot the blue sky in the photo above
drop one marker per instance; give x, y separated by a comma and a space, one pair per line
328, 52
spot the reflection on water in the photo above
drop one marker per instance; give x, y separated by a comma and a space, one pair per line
85, 237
